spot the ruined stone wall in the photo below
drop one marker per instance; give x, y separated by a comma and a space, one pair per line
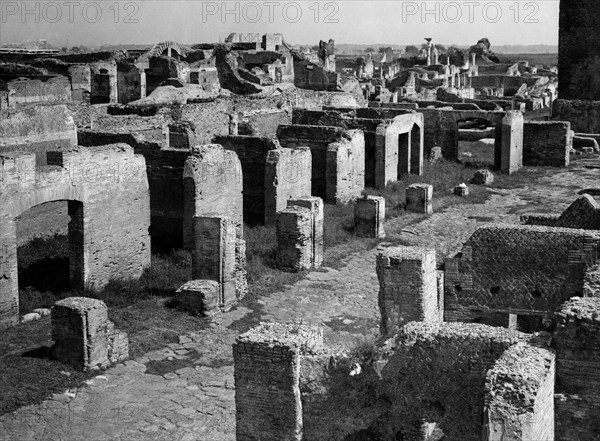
577, 398
519, 400
334, 178
81, 83
131, 83
583, 214
38, 129
530, 270
29, 91
547, 143
252, 152
578, 49
267, 381
287, 176
308, 75
345, 168
437, 374
584, 115
212, 180
441, 127
109, 205
263, 123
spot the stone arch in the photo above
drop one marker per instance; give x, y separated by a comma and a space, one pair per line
167, 48
107, 192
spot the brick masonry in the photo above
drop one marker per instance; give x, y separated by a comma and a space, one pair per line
109, 205
529, 270
577, 398
84, 337
547, 143
419, 198
519, 395
267, 380
437, 374
294, 227
369, 216
212, 180
315, 205
407, 287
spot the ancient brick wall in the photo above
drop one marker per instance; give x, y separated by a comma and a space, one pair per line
287, 176
334, 177
214, 258
109, 205
407, 287
295, 245
578, 49
519, 395
252, 152
577, 398
28, 91
38, 129
547, 143
263, 123
369, 216
583, 115
81, 83
345, 168
267, 380
212, 180
315, 205
529, 270
583, 214
437, 374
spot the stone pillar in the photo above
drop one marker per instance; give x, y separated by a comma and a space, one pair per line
214, 256
408, 287
294, 227
315, 205
113, 86
519, 395
267, 380
84, 337
577, 339
419, 198
511, 158
369, 216
9, 285
200, 297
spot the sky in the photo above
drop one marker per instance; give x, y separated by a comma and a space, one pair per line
94, 23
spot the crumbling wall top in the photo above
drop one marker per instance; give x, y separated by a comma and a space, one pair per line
297, 336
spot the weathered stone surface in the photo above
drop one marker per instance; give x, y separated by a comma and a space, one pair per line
482, 177
435, 154
84, 337
519, 400
107, 193
315, 205
267, 380
287, 176
461, 190
511, 156
524, 270
577, 369
212, 180
547, 143
419, 198
369, 216
437, 373
200, 297
295, 238
407, 287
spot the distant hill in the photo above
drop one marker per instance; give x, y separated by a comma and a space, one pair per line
500, 49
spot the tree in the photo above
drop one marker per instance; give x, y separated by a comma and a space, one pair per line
410, 49
440, 47
382, 50
369, 49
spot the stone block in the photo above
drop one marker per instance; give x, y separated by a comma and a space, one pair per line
294, 227
369, 217
482, 177
512, 142
419, 198
200, 297
435, 154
